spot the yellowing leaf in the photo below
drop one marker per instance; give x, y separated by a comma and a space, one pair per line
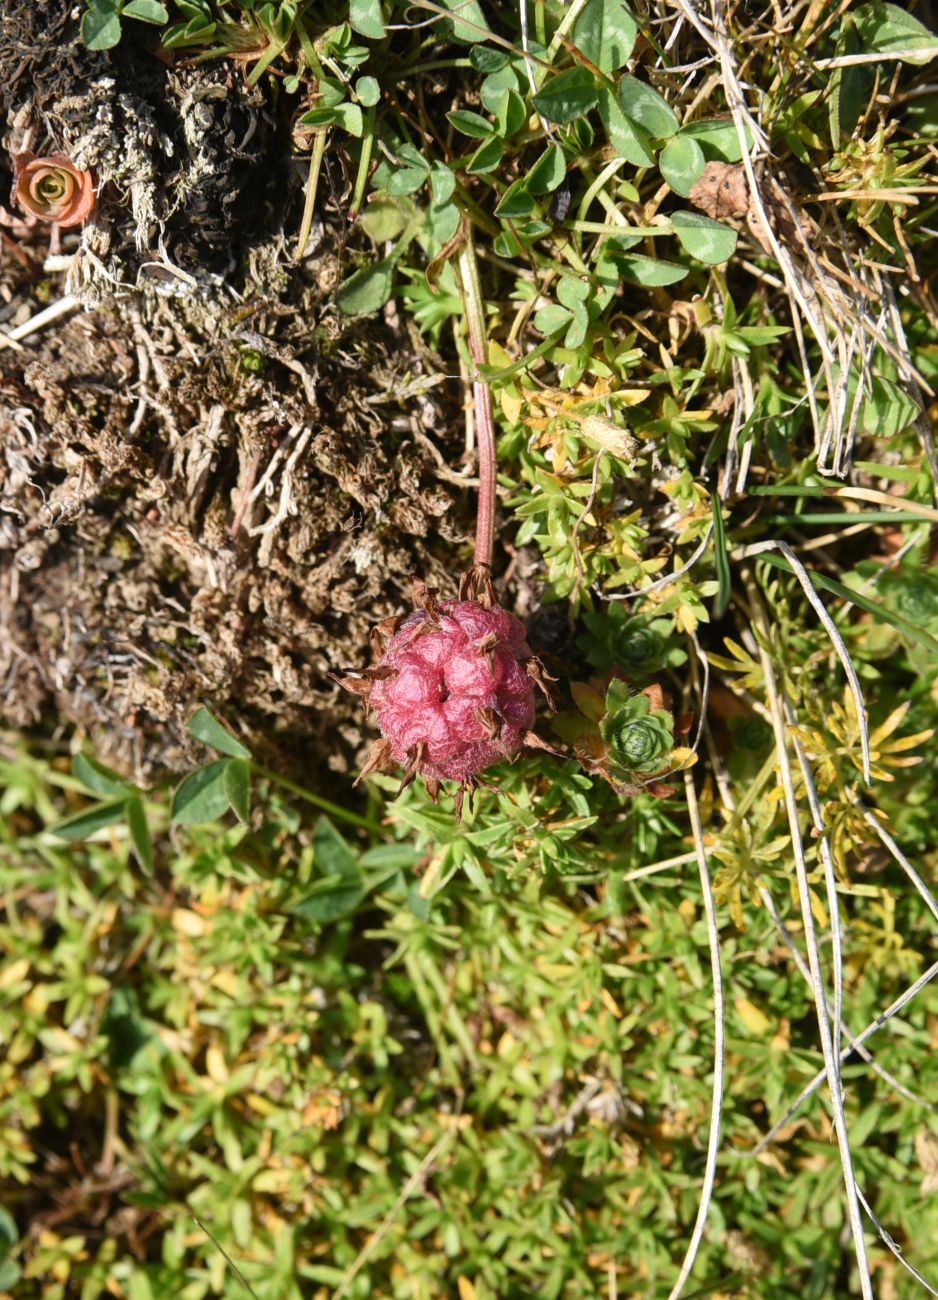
188, 923
610, 1004
588, 700
756, 1021
818, 910
215, 1066
905, 742
511, 404
889, 726
609, 436
926, 1151
12, 974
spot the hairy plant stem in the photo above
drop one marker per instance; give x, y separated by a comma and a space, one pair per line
474, 311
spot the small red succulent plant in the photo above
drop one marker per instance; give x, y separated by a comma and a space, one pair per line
453, 688
52, 189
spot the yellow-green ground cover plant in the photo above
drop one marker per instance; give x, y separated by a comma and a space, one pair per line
654, 1016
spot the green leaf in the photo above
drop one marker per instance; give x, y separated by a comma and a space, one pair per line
472, 124
100, 29
139, 832
332, 852
97, 778
512, 113
722, 559
84, 824
575, 335
887, 29
331, 93
9, 1234
236, 779
343, 886
201, 796
887, 410
346, 115
681, 163
605, 33
383, 219
319, 117
645, 106
548, 172
567, 96
495, 374
572, 292
366, 18
406, 181
495, 85
649, 271
874, 607
148, 11
707, 240
10, 1274
366, 290
442, 182
330, 899
717, 138
385, 857
516, 201
205, 727
470, 25
367, 91
627, 138
550, 318
486, 60
487, 157
349, 117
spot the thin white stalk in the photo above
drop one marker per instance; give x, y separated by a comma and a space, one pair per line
830, 627
831, 1064
61, 307
893, 1009
904, 863
719, 1045
889, 1079
894, 1246
820, 830
419, 1174
660, 582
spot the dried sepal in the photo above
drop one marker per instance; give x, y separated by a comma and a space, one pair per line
415, 757
531, 740
383, 631
540, 677
425, 599
476, 584
379, 758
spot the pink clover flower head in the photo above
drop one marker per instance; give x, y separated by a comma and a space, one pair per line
458, 690
453, 688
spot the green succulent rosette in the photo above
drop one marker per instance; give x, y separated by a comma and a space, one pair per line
637, 644
915, 597
638, 737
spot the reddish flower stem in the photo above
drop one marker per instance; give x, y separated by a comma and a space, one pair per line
474, 309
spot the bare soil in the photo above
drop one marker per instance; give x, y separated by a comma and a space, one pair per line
211, 483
